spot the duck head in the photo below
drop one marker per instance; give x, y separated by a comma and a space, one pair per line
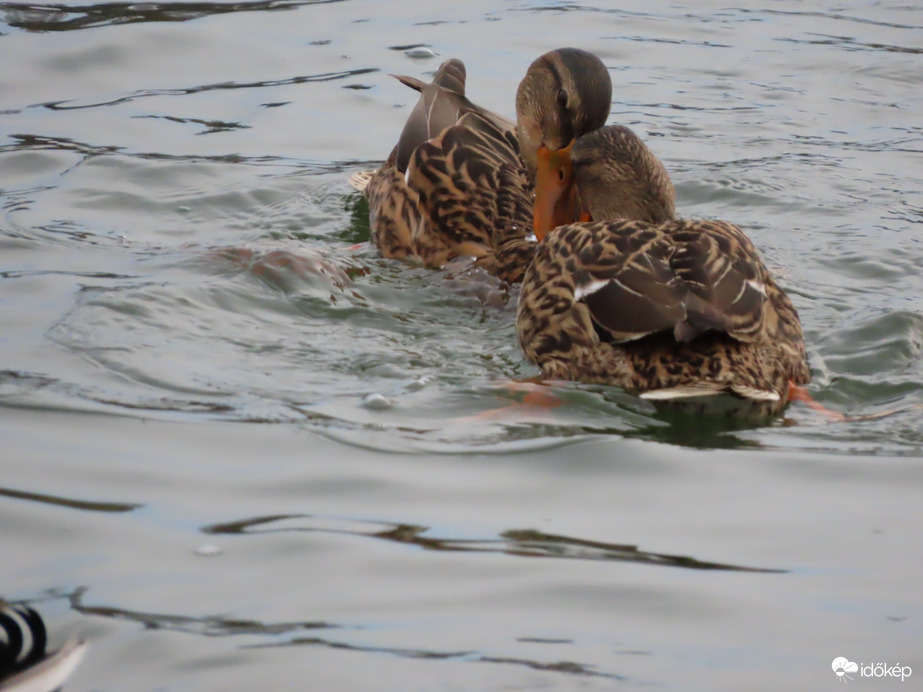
618, 177
565, 94
610, 174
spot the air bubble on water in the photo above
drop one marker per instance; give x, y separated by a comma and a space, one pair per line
377, 402
208, 550
417, 384
420, 53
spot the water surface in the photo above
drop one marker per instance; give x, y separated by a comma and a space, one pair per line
227, 470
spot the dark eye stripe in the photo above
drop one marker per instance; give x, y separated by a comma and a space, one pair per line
560, 64
594, 90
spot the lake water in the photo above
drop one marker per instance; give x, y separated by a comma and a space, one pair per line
229, 470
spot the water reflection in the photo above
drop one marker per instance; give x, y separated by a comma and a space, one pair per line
222, 86
286, 634
518, 542
839, 16
41, 18
206, 626
71, 503
153, 274
849, 43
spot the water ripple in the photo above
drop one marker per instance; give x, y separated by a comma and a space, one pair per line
74, 104
56, 17
525, 543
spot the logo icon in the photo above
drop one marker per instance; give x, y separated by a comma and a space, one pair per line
842, 666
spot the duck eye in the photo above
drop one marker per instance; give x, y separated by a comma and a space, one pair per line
562, 98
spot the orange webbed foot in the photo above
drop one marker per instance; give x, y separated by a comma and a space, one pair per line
536, 398
797, 392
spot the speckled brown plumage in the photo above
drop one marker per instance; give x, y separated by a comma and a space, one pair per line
394, 215
458, 182
676, 310
470, 182
629, 182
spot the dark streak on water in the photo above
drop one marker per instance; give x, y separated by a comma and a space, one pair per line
60, 17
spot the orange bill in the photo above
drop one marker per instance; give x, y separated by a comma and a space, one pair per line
555, 195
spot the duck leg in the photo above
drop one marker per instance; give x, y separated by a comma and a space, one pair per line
797, 392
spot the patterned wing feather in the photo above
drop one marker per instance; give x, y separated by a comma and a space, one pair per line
725, 278
438, 107
642, 298
462, 177
394, 215
442, 104
684, 276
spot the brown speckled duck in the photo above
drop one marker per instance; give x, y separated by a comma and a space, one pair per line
459, 181
677, 311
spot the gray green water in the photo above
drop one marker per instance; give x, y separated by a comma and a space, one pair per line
226, 474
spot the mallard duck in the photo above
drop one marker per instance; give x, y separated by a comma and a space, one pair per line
459, 181
674, 310
24, 663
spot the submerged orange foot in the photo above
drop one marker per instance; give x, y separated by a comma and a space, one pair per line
797, 392
537, 397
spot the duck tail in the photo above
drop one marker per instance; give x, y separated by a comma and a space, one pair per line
360, 179
24, 663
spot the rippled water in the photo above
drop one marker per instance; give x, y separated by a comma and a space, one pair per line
240, 449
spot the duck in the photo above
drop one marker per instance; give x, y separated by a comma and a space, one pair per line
25, 664
681, 312
460, 180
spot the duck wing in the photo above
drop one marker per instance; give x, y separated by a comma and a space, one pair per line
442, 103
727, 281
686, 276
471, 186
